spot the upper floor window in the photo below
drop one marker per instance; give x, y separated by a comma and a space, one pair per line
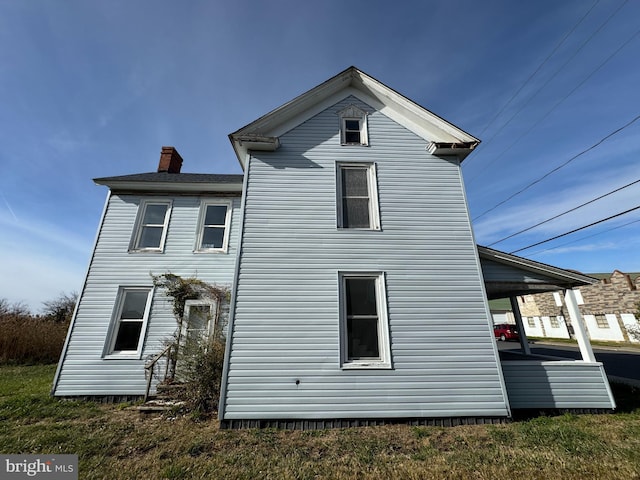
364, 325
357, 196
353, 126
151, 226
129, 320
213, 226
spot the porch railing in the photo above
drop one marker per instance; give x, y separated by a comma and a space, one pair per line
150, 367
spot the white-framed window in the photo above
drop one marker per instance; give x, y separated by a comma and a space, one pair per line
129, 322
364, 325
555, 322
601, 321
199, 319
353, 126
213, 226
532, 322
151, 227
357, 196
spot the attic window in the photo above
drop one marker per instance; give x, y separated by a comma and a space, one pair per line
353, 126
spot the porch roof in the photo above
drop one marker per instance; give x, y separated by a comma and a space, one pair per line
507, 275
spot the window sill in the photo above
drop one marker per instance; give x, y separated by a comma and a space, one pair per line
146, 250
123, 356
367, 366
210, 250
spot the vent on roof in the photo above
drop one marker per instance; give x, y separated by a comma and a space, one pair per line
170, 160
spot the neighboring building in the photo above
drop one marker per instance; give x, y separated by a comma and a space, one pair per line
608, 308
359, 294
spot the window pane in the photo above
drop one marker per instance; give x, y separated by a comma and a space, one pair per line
128, 336
352, 137
154, 214
354, 182
363, 338
361, 296
355, 213
150, 237
199, 316
212, 237
216, 215
134, 305
352, 124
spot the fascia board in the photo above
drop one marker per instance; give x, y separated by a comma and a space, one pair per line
173, 187
533, 266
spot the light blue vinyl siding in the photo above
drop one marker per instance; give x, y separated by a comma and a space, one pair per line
85, 371
285, 359
543, 384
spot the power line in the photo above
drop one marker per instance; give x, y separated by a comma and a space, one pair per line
536, 71
565, 212
585, 238
595, 145
546, 83
524, 134
577, 229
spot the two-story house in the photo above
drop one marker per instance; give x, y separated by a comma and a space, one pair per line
359, 294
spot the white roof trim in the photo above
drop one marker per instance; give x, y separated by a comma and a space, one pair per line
533, 266
178, 187
355, 82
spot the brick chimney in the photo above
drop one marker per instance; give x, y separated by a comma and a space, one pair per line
170, 160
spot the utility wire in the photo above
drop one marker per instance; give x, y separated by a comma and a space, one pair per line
584, 238
577, 229
526, 82
563, 99
545, 84
527, 187
564, 213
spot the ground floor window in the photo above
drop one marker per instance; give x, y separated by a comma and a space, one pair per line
129, 320
363, 319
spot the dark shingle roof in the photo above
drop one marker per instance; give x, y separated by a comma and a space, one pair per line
164, 182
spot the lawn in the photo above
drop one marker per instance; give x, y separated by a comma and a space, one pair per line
114, 442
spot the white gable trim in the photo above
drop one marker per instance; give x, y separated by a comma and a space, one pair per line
352, 81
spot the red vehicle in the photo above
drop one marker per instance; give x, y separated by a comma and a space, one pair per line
505, 331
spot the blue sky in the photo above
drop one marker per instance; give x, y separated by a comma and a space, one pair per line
91, 89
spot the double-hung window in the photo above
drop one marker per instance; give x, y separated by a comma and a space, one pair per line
363, 319
213, 226
357, 196
353, 126
151, 227
129, 321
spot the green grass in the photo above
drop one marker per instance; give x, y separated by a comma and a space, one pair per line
114, 442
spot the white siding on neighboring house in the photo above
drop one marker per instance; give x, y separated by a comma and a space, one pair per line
85, 370
604, 328
533, 326
555, 327
285, 352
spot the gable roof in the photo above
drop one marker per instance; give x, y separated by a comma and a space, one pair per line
443, 137
174, 182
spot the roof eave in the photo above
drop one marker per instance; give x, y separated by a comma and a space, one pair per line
567, 277
186, 187
415, 117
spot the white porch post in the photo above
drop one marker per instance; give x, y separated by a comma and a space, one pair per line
524, 341
578, 326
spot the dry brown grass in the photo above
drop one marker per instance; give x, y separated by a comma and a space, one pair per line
29, 339
116, 443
